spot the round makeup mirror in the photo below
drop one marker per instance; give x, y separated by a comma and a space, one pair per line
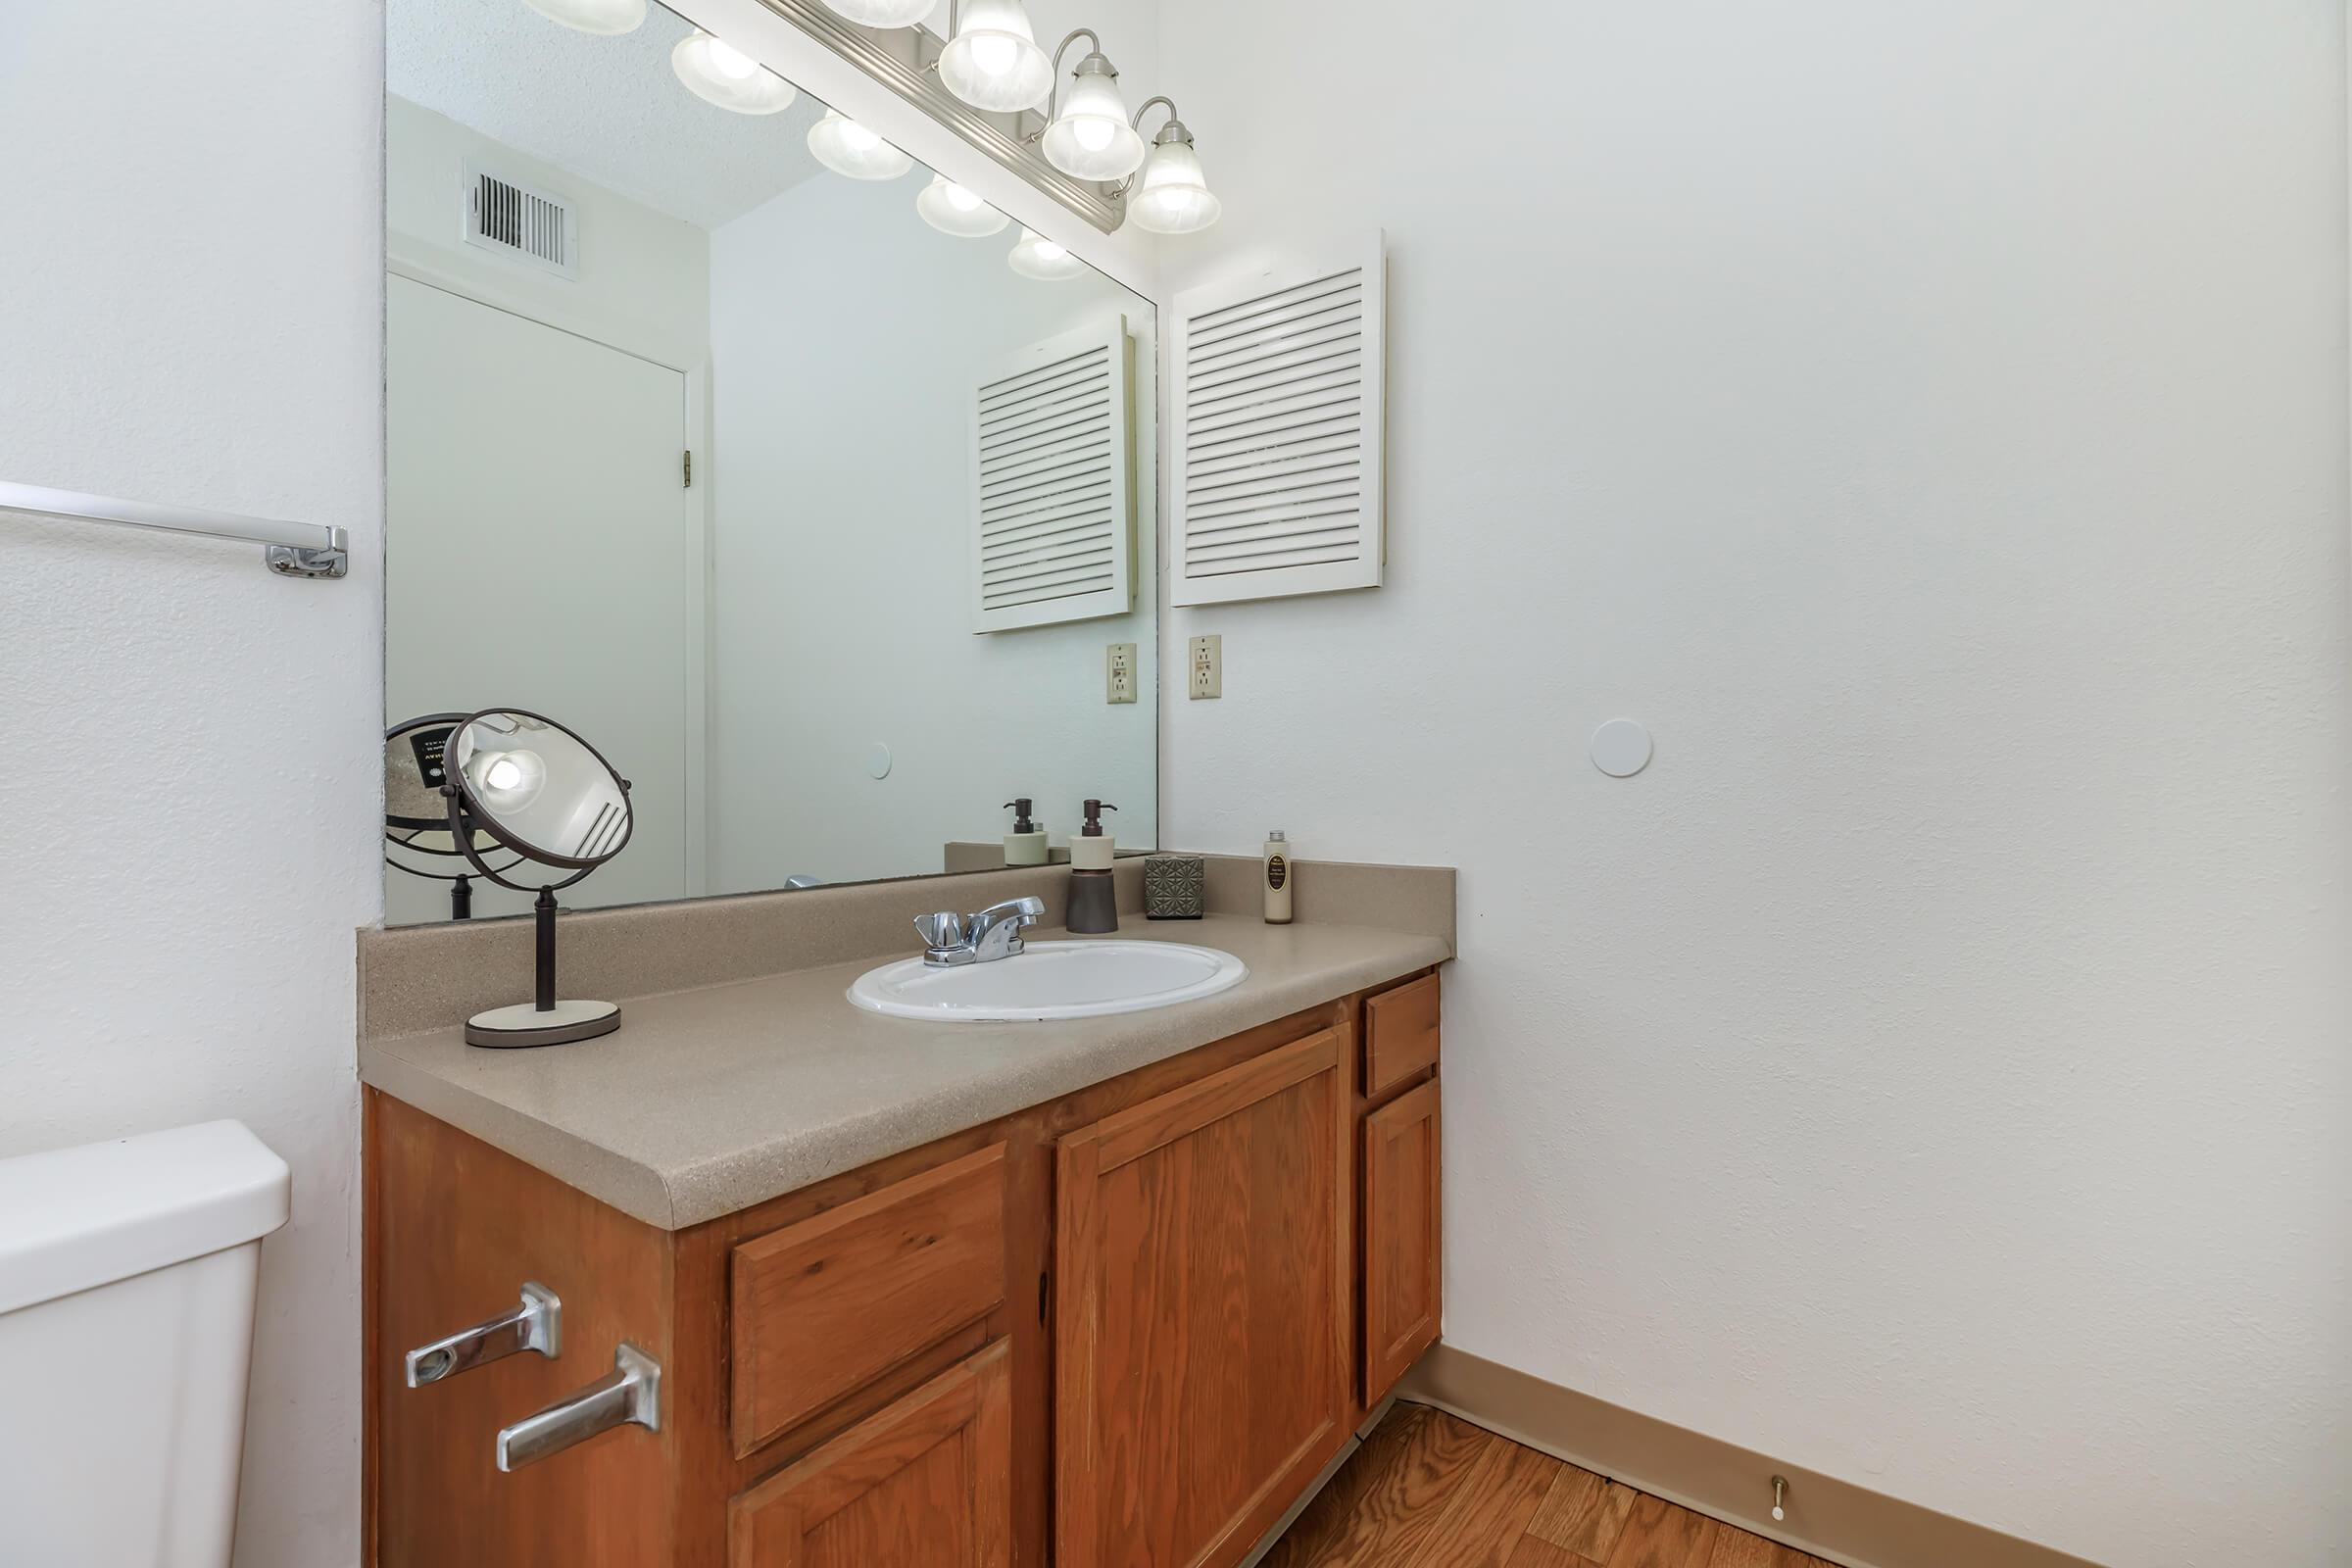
520, 782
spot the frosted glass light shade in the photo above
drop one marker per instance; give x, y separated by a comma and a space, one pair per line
1037, 257
993, 62
882, 13
848, 148
1170, 196
719, 74
951, 209
1090, 137
603, 17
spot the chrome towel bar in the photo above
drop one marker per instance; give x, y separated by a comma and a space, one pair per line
289, 549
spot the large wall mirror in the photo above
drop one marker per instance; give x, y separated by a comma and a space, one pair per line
817, 503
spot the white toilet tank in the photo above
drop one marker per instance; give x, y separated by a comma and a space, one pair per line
126, 1287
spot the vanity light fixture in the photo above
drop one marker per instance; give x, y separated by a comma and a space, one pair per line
605, 18
1037, 257
882, 13
951, 209
1170, 196
848, 148
993, 60
1088, 135
717, 72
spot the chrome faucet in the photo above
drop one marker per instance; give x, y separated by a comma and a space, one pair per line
951, 939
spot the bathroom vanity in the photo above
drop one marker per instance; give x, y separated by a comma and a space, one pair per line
1115, 1289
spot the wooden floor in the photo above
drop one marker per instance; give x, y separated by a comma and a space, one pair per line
1432, 1491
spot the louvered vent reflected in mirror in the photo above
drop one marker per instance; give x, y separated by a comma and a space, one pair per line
1053, 482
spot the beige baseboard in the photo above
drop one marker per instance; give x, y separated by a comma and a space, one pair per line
1827, 1517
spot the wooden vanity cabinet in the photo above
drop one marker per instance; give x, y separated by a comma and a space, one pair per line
1202, 1243
1128, 1326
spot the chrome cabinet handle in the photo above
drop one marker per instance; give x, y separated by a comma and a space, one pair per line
630, 1394
536, 1325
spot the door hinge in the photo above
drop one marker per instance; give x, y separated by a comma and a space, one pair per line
688, 470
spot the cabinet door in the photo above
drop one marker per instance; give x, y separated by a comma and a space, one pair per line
926, 1482
1202, 1333
1403, 1260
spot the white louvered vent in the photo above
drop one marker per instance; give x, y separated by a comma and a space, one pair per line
1052, 483
1277, 383
519, 220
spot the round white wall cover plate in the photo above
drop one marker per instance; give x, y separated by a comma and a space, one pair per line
877, 761
1621, 747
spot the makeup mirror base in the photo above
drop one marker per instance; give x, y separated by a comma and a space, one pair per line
525, 1024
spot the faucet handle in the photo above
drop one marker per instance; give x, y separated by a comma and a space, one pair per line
941, 930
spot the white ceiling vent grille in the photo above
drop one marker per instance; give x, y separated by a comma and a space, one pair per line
519, 220
1053, 482
1277, 382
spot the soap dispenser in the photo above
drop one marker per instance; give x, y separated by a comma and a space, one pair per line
1025, 845
1093, 897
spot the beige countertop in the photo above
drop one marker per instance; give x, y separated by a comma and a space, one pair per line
710, 1100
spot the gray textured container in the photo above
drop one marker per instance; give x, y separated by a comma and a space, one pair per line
1175, 887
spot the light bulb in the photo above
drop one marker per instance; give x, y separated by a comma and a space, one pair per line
951, 209
503, 775
732, 63
508, 781
1090, 137
993, 54
1037, 257
718, 72
604, 17
848, 148
993, 62
1170, 195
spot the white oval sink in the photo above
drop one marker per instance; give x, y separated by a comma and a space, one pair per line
1051, 980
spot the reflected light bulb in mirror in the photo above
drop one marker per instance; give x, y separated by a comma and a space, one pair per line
1037, 257
604, 17
732, 63
848, 148
993, 62
508, 781
951, 209
718, 72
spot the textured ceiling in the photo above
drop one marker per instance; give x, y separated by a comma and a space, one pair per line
606, 109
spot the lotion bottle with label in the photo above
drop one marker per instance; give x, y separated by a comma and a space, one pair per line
1278, 879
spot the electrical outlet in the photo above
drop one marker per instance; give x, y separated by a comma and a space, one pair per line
1207, 664
1118, 672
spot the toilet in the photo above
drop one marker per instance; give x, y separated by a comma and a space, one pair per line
127, 1292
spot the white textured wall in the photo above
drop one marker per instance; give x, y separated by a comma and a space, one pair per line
190, 286
846, 338
1932, 420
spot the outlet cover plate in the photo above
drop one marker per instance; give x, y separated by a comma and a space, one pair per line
1206, 663
1118, 672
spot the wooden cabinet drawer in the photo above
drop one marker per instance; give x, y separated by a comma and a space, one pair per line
926, 1482
823, 1307
1403, 1258
1400, 1034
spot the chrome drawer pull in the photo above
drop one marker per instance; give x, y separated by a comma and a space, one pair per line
631, 1394
536, 1325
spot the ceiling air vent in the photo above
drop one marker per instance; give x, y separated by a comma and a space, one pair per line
531, 225
1276, 400
1053, 497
